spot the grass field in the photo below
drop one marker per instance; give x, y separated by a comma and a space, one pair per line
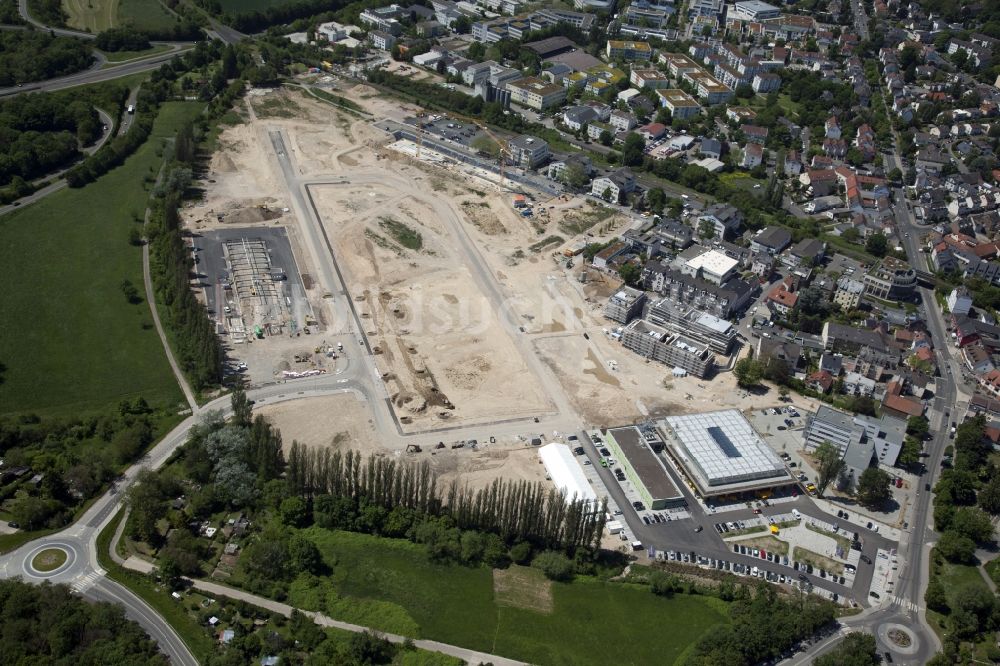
955, 577
522, 587
145, 14
456, 605
800, 554
49, 559
122, 56
91, 15
72, 342
768, 543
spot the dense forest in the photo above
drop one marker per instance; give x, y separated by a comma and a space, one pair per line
42, 132
28, 55
49, 12
9, 14
46, 624
764, 625
75, 457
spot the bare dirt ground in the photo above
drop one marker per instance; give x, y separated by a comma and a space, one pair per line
342, 422
439, 346
443, 355
338, 421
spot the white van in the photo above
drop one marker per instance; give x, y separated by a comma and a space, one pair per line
795, 512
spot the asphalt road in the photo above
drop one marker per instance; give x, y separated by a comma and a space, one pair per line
98, 75
680, 534
56, 178
914, 547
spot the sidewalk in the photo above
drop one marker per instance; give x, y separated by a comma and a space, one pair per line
469, 656
888, 531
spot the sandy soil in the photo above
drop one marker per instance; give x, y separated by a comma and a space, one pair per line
338, 421
443, 353
440, 348
342, 422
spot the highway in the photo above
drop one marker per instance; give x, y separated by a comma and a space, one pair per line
56, 183
98, 75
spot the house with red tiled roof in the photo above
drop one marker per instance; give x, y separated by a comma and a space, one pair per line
991, 381
782, 298
902, 407
821, 381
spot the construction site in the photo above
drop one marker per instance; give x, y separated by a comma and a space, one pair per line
470, 311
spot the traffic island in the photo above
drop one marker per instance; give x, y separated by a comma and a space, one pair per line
899, 638
49, 560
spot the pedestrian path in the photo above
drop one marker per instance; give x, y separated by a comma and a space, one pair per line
883, 578
905, 604
470, 656
83, 584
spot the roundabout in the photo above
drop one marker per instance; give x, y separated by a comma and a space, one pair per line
49, 560
899, 638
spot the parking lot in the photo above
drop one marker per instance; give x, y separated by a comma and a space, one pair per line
448, 129
692, 531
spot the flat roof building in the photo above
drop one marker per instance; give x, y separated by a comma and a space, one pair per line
714, 266
708, 87
722, 454
682, 353
679, 103
703, 327
565, 473
635, 451
536, 93
754, 10
528, 151
883, 436
625, 305
628, 50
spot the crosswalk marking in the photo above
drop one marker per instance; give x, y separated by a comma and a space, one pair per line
85, 583
899, 602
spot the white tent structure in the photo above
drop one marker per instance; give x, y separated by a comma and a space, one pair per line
565, 472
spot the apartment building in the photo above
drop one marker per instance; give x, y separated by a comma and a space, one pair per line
678, 63
628, 50
535, 93
719, 334
671, 349
723, 301
528, 151
614, 185
708, 87
890, 279
679, 103
648, 78
848, 294
625, 305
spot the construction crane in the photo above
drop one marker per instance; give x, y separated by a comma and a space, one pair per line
420, 132
503, 147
